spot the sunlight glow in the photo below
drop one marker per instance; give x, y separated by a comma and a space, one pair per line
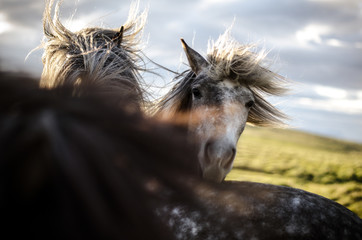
4, 25
335, 43
83, 21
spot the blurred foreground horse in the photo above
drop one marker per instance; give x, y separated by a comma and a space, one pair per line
215, 98
79, 167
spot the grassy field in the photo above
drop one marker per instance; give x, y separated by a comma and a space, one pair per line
324, 166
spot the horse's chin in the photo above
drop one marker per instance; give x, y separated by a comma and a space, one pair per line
214, 174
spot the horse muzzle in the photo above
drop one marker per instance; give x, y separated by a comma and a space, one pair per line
217, 160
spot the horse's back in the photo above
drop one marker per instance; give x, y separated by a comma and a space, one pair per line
249, 210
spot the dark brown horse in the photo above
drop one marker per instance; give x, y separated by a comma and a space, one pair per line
79, 167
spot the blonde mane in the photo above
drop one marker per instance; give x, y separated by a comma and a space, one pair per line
91, 56
231, 60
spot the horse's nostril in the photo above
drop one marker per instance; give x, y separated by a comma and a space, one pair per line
233, 150
208, 152
228, 161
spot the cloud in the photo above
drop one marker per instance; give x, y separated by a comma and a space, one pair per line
345, 106
330, 92
22, 13
312, 33
329, 99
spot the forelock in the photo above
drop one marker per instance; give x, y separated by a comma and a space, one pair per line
243, 63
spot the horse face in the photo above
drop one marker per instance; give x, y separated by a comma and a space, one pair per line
219, 111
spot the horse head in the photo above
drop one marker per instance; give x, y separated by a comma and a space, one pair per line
220, 94
220, 109
107, 59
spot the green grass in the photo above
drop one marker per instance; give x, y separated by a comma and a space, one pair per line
324, 166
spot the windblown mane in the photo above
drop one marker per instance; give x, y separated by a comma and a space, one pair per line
106, 58
178, 99
231, 60
234, 61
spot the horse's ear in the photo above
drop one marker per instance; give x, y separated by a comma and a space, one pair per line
117, 39
196, 61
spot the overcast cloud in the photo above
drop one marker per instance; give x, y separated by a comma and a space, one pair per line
316, 43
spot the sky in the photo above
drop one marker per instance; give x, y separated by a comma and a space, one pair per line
317, 44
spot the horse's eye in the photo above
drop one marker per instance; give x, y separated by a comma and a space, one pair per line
196, 93
249, 104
